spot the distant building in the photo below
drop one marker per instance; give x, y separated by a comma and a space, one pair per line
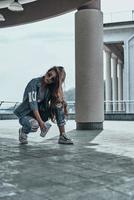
119, 66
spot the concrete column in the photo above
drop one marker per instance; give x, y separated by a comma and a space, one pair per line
89, 69
108, 82
120, 85
114, 82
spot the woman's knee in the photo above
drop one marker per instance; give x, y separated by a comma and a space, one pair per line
34, 125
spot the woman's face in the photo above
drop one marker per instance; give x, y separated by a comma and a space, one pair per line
50, 77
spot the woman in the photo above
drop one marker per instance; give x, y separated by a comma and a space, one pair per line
43, 99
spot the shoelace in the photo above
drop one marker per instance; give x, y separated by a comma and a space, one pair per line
66, 137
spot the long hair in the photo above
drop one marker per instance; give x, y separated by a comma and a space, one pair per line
57, 95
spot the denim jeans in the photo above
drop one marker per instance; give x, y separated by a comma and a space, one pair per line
30, 124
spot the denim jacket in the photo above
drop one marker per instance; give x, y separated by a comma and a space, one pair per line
33, 99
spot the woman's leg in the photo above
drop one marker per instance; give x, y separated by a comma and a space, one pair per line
29, 124
60, 118
61, 129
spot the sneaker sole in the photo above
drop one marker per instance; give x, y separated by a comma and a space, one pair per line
65, 143
23, 143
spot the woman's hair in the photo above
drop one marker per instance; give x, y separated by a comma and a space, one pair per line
57, 96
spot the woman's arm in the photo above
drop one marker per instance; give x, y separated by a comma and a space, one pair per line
39, 119
32, 98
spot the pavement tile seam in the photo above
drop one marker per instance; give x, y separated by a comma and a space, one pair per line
56, 191
69, 191
113, 186
122, 193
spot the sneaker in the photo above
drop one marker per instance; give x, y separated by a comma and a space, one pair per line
63, 139
22, 137
44, 131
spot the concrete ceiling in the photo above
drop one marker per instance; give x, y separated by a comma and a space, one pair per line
37, 10
6, 3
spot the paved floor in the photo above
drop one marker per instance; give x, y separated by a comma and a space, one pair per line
100, 166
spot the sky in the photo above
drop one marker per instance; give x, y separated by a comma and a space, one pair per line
28, 51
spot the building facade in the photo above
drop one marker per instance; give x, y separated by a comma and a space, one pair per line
119, 66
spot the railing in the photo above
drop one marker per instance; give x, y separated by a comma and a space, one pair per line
7, 107
119, 16
116, 106
110, 106
119, 106
71, 107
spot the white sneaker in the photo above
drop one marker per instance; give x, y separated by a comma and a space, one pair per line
63, 139
44, 131
22, 137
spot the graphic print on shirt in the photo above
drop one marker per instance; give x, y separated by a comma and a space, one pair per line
32, 96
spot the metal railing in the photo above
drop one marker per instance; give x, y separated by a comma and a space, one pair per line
109, 106
115, 106
8, 106
126, 106
122, 106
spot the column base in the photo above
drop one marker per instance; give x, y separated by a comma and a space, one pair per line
89, 125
